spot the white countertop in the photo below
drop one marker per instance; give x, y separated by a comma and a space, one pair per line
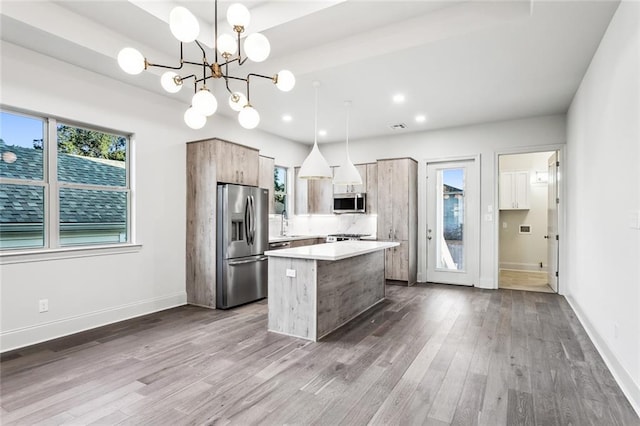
332, 251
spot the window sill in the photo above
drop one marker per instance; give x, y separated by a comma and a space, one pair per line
41, 255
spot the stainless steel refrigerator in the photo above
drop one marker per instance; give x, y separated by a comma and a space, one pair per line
242, 238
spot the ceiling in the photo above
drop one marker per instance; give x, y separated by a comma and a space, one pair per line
456, 62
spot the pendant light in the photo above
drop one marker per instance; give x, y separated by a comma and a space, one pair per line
315, 166
347, 174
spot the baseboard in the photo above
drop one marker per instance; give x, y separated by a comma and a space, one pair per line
26, 336
629, 387
513, 266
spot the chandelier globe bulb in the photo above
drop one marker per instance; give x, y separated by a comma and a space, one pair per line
237, 101
238, 16
204, 102
183, 24
194, 119
257, 47
227, 45
249, 118
286, 81
171, 82
131, 61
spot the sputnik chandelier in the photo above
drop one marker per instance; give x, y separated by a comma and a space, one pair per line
184, 26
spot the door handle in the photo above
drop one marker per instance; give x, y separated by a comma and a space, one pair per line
246, 222
253, 220
244, 262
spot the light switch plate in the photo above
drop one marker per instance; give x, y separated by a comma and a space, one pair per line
291, 273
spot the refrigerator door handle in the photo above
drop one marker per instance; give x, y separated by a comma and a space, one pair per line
244, 262
247, 218
253, 220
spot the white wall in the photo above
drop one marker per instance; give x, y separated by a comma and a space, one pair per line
603, 151
85, 292
525, 251
484, 140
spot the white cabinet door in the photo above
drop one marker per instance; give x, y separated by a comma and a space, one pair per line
514, 190
521, 190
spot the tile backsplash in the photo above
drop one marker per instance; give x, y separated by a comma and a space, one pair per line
324, 224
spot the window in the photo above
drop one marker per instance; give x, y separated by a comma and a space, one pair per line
280, 188
61, 185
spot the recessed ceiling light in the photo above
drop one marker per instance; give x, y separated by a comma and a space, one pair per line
287, 118
421, 118
398, 98
322, 132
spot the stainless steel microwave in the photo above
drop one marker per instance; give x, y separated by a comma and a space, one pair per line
350, 202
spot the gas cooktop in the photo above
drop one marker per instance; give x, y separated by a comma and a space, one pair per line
331, 238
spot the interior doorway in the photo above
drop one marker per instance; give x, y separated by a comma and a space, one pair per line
528, 221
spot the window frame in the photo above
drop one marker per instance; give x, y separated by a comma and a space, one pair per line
51, 248
286, 188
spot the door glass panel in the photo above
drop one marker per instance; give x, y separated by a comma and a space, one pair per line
451, 205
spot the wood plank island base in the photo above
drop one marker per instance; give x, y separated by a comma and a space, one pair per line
314, 290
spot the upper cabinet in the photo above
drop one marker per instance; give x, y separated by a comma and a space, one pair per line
341, 189
313, 196
372, 188
514, 190
236, 163
266, 179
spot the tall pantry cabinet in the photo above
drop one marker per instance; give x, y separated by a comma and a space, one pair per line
398, 217
209, 162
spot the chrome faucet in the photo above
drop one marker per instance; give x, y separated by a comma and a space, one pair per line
283, 223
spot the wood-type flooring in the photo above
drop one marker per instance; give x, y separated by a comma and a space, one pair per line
429, 354
524, 280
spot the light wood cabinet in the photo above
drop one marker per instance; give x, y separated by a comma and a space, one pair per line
209, 162
372, 188
240, 165
397, 197
313, 196
265, 179
341, 189
514, 190
306, 242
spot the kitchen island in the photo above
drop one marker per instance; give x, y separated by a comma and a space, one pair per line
314, 290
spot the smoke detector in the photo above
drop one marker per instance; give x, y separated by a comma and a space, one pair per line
398, 126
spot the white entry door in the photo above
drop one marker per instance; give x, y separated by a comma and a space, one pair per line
452, 222
552, 222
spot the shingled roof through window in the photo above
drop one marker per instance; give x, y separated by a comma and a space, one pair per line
24, 204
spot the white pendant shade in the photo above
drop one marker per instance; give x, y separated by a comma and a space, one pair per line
347, 174
315, 166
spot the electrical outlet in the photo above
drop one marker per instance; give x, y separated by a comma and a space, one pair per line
43, 305
291, 273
